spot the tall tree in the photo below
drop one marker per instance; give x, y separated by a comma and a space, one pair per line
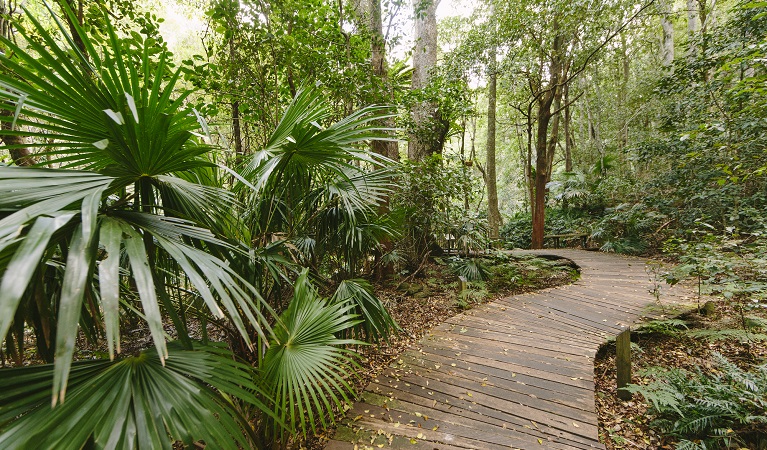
380, 68
548, 99
429, 128
559, 44
666, 11
493, 214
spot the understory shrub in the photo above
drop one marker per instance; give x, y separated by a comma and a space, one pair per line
708, 410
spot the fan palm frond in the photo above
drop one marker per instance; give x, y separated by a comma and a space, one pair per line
131, 206
136, 402
306, 368
377, 323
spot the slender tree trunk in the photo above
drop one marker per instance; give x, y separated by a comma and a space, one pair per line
20, 154
569, 141
464, 167
493, 214
529, 163
693, 26
542, 154
381, 72
237, 133
666, 10
429, 130
624, 132
77, 8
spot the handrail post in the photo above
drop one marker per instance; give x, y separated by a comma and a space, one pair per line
623, 362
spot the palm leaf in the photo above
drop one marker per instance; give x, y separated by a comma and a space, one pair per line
376, 323
121, 123
306, 368
130, 403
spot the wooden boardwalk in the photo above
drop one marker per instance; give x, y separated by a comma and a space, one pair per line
514, 373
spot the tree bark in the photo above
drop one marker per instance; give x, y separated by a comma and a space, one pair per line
237, 133
429, 128
77, 8
20, 154
693, 26
569, 141
665, 8
381, 72
542, 154
624, 130
493, 214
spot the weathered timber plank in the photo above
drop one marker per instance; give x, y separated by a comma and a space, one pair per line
526, 360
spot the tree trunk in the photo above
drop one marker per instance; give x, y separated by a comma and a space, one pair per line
237, 133
20, 154
429, 129
542, 147
624, 112
389, 149
529, 182
666, 10
569, 141
493, 214
693, 26
381, 71
77, 8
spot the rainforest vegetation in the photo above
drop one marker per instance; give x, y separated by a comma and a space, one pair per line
199, 198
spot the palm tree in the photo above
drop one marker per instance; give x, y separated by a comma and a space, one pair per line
130, 219
318, 187
120, 225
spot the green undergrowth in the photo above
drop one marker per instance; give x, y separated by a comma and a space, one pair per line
710, 392
502, 273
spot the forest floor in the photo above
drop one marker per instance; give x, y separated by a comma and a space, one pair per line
431, 297
687, 342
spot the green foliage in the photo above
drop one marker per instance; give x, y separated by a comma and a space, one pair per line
135, 402
742, 335
670, 327
128, 220
626, 228
708, 410
318, 187
258, 55
307, 369
134, 223
470, 269
429, 209
517, 230
376, 322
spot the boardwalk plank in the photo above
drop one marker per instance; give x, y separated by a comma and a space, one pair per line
515, 373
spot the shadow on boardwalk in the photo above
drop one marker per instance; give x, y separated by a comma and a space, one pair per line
514, 373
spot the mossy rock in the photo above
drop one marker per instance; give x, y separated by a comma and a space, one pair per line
414, 289
708, 309
424, 292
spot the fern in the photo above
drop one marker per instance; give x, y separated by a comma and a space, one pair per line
705, 411
472, 269
667, 327
741, 335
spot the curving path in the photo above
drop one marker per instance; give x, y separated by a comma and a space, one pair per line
514, 373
